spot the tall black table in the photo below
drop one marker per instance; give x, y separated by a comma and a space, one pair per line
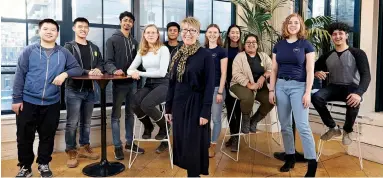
103, 168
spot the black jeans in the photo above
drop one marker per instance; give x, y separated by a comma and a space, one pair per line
44, 120
151, 95
335, 93
235, 121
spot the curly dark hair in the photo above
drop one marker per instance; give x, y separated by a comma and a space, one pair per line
341, 26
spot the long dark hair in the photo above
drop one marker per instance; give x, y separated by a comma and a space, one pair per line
219, 40
227, 38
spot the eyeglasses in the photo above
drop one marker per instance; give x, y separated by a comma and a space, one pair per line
251, 43
191, 31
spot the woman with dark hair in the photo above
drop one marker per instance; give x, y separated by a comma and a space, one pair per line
189, 100
213, 43
234, 46
292, 77
251, 69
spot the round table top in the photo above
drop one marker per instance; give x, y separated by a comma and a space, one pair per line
102, 77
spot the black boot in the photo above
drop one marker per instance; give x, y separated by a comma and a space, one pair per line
234, 144
254, 121
289, 163
312, 168
162, 132
245, 123
148, 127
298, 156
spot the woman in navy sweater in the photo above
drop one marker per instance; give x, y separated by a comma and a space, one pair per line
292, 77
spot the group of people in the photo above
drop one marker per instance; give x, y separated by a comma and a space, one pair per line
194, 81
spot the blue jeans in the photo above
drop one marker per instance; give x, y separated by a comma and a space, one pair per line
121, 93
289, 96
79, 105
216, 115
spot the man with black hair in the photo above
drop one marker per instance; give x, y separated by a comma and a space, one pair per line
41, 69
80, 95
121, 49
349, 77
173, 29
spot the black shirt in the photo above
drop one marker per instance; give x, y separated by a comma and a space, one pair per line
86, 58
255, 66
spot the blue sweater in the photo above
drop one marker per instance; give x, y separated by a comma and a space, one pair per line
36, 72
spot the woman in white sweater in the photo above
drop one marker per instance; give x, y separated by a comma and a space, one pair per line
154, 57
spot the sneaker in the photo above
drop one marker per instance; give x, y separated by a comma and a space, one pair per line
163, 147
347, 138
72, 161
86, 151
118, 153
229, 142
212, 150
136, 149
24, 172
44, 170
331, 133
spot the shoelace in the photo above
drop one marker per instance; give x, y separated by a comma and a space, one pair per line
44, 167
22, 171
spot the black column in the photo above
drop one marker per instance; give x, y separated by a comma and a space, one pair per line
379, 64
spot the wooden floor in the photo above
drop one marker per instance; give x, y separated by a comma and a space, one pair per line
333, 163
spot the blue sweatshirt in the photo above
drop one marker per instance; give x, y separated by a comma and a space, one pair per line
36, 72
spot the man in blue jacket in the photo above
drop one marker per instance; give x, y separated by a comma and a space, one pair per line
41, 69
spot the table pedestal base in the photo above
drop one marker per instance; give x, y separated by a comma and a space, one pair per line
103, 169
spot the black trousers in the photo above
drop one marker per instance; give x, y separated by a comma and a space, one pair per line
44, 120
335, 93
151, 95
235, 121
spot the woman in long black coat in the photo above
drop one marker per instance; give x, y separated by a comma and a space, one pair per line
189, 99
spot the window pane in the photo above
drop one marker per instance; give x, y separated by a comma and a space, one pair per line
315, 8
89, 9
13, 41
175, 11
202, 39
13, 9
33, 34
343, 11
222, 14
44, 9
151, 12
202, 11
6, 91
113, 8
95, 35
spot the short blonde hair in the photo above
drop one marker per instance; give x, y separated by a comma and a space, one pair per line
192, 22
302, 31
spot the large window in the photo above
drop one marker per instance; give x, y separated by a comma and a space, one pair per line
347, 11
19, 25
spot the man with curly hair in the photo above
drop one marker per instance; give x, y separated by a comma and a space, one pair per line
349, 77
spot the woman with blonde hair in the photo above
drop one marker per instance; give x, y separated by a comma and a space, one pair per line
154, 57
213, 43
189, 100
292, 78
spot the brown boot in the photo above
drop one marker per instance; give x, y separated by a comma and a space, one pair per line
212, 150
72, 159
87, 152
